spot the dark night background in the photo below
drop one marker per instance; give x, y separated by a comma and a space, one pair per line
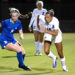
64, 11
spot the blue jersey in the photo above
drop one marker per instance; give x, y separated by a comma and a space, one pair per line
8, 30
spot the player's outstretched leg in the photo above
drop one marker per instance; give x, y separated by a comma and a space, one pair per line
14, 47
62, 57
47, 45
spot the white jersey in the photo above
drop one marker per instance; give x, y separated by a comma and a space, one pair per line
53, 25
35, 13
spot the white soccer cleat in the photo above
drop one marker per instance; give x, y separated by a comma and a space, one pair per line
65, 69
37, 53
55, 62
40, 54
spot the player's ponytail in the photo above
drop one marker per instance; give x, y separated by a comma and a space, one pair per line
14, 10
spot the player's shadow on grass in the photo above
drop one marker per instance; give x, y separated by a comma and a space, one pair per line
45, 73
8, 56
16, 56
30, 55
4, 69
42, 69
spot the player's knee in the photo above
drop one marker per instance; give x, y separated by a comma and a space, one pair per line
23, 51
36, 39
46, 52
18, 50
41, 40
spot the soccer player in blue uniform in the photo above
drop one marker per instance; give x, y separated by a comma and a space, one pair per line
7, 40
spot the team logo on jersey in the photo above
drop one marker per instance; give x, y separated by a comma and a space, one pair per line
48, 28
43, 13
5, 42
12, 31
34, 27
45, 37
52, 26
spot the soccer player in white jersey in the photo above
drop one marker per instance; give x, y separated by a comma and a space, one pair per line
50, 25
38, 35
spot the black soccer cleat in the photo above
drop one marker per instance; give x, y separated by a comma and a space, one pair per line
25, 68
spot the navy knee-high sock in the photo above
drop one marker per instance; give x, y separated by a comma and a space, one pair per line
23, 55
20, 58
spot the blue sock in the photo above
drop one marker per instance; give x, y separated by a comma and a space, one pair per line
20, 58
23, 56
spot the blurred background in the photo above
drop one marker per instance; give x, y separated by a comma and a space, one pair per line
64, 11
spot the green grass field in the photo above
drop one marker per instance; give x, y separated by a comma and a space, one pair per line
40, 65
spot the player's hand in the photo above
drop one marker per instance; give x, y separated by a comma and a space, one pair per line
30, 29
43, 28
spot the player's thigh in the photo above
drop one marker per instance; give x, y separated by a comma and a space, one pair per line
47, 45
12, 47
36, 35
41, 35
18, 44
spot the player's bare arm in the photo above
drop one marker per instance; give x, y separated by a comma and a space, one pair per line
21, 34
0, 25
54, 32
38, 22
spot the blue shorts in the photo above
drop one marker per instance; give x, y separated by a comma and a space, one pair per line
4, 42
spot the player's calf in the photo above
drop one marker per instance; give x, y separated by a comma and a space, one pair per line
62, 57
